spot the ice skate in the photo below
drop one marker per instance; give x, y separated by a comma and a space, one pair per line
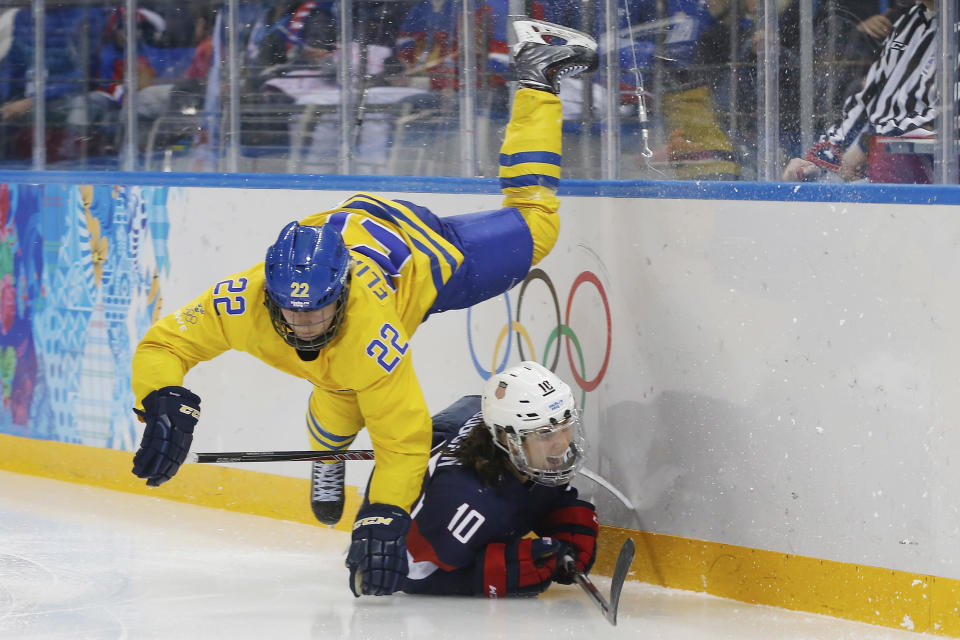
326, 495
539, 64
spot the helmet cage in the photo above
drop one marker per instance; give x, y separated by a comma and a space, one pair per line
307, 269
512, 442
287, 333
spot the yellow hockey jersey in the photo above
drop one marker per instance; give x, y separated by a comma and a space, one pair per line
398, 265
365, 376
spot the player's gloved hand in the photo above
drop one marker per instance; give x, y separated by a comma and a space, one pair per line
377, 558
825, 155
577, 525
522, 568
170, 413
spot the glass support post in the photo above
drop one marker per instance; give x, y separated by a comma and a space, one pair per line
806, 75
946, 149
610, 131
233, 86
733, 74
768, 84
345, 80
588, 111
517, 10
39, 87
130, 82
467, 96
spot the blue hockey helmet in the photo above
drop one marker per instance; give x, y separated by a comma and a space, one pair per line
307, 268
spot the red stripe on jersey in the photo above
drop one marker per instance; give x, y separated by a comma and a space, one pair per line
573, 515
495, 571
421, 549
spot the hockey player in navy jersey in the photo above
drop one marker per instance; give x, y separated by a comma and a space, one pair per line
495, 475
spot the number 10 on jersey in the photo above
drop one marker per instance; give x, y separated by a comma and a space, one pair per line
465, 523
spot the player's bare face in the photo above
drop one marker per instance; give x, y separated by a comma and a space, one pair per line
308, 325
549, 449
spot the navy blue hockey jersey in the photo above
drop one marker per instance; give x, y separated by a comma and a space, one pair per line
457, 516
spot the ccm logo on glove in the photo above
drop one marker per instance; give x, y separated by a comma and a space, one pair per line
190, 411
369, 520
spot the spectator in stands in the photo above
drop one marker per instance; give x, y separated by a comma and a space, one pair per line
168, 76
697, 146
311, 58
848, 36
428, 43
898, 97
67, 73
150, 27
857, 29
836, 49
187, 89
309, 75
277, 32
102, 110
7, 16
428, 47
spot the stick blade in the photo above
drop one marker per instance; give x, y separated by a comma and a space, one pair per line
620, 571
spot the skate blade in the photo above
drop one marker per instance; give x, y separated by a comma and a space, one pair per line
530, 30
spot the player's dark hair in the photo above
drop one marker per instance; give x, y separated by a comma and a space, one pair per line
477, 451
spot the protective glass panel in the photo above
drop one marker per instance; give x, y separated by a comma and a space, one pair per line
95, 115
389, 106
17, 45
168, 121
860, 91
451, 103
44, 119
453, 112
794, 90
588, 119
675, 100
289, 92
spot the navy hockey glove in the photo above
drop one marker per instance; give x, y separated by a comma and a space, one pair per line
171, 413
522, 568
577, 525
377, 558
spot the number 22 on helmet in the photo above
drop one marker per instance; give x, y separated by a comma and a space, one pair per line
307, 285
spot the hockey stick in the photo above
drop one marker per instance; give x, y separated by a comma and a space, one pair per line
620, 570
596, 477
279, 456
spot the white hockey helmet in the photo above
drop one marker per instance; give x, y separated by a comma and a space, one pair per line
532, 416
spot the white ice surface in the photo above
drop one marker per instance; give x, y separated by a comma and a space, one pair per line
77, 562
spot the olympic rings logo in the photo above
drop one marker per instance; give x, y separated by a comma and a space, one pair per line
560, 330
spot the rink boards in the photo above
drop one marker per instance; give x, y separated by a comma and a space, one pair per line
767, 374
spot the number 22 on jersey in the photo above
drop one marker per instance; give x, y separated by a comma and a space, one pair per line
227, 298
390, 350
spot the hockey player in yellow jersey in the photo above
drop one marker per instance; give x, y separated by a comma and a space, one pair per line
338, 298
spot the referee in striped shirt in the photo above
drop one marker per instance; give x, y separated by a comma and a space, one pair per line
899, 95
